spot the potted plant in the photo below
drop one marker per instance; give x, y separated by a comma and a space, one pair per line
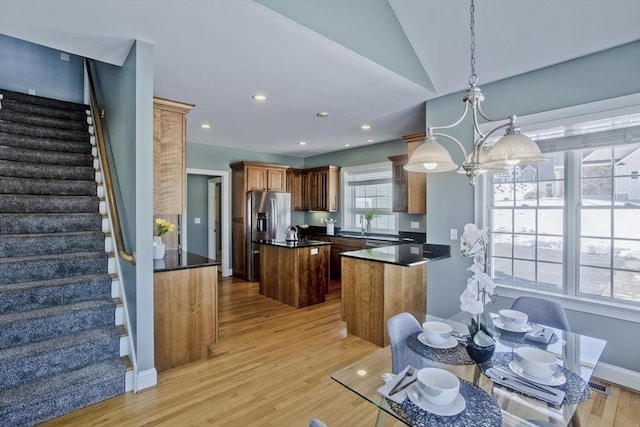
369, 215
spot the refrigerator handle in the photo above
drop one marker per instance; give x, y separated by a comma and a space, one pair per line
274, 218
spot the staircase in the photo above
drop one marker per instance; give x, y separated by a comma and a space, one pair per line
60, 342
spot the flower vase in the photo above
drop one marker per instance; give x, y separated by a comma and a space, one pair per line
158, 247
368, 226
479, 354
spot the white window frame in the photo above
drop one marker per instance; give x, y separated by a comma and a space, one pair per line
345, 171
577, 114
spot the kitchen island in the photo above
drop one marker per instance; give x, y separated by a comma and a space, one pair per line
294, 272
185, 299
379, 283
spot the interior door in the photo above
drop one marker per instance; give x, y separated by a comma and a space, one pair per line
213, 208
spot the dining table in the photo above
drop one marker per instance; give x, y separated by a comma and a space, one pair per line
492, 393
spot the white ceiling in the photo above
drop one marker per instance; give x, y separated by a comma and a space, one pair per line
363, 61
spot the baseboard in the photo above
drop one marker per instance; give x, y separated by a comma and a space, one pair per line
146, 379
620, 376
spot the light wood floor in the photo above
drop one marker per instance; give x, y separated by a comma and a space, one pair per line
272, 367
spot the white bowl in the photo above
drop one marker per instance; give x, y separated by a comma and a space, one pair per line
537, 363
436, 332
513, 318
437, 386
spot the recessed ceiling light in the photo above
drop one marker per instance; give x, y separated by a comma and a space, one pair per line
365, 127
369, 140
347, 145
259, 98
205, 126
322, 114
302, 143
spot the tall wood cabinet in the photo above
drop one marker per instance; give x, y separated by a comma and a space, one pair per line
249, 176
409, 188
169, 151
297, 185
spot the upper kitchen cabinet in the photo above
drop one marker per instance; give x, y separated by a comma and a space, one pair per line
409, 188
169, 148
262, 177
297, 185
323, 188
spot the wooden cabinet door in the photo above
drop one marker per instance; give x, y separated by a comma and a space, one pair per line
169, 139
238, 247
256, 178
276, 180
296, 179
400, 184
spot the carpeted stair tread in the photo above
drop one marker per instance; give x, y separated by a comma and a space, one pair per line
39, 143
16, 203
25, 327
31, 119
21, 245
18, 297
31, 170
42, 110
45, 132
51, 187
40, 100
38, 401
45, 267
20, 154
47, 358
20, 223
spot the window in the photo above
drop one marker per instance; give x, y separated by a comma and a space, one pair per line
364, 188
571, 225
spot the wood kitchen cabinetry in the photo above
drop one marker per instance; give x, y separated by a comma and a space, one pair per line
169, 147
323, 188
409, 188
185, 304
249, 176
297, 185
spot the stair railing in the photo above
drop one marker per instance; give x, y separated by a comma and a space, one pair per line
106, 173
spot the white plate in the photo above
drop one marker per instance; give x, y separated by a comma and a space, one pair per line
498, 323
556, 379
453, 408
449, 343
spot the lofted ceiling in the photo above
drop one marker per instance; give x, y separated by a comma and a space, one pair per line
363, 61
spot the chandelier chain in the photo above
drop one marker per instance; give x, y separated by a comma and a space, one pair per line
473, 78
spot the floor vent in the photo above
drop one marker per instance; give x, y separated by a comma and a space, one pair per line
599, 388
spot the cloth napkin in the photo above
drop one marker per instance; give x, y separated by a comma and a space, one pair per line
544, 336
400, 396
555, 398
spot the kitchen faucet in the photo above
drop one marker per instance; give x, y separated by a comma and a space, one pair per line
362, 224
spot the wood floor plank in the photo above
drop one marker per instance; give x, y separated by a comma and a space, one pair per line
272, 367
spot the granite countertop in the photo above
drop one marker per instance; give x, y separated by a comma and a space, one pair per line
406, 255
174, 261
302, 243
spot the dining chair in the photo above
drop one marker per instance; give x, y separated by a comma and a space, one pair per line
316, 423
543, 311
399, 327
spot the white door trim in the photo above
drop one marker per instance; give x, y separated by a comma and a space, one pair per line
213, 205
226, 216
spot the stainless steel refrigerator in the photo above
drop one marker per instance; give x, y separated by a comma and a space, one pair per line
268, 217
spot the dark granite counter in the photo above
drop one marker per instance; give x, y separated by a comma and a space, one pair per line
302, 243
406, 255
174, 261
401, 237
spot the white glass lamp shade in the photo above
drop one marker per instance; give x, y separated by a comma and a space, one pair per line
514, 149
482, 159
430, 157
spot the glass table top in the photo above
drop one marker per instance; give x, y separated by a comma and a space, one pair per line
577, 356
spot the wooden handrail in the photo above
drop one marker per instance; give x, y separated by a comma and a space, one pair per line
106, 173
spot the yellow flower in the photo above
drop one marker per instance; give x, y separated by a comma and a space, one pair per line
164, 227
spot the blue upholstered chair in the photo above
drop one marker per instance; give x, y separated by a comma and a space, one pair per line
543, 311
316, 423
399, 327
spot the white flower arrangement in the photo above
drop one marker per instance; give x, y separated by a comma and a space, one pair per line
480, 286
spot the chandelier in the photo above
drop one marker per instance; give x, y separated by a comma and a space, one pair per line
512, 149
